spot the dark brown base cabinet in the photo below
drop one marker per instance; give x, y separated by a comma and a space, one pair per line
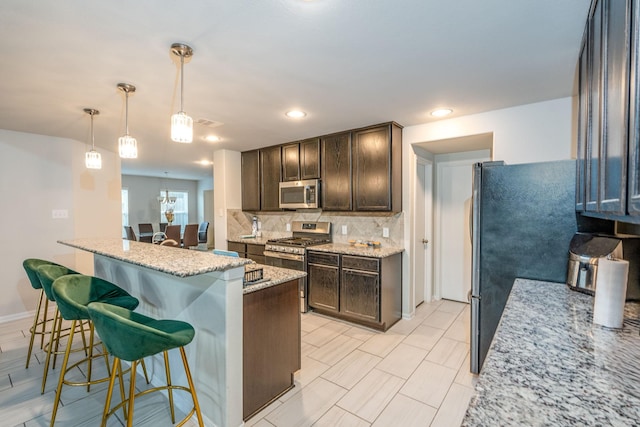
364, 290
271, 344
252, 251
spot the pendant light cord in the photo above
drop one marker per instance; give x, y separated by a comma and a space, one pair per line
93, 142
126, 113
181, 82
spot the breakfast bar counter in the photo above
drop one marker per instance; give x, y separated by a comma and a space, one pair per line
549, 365
200, 288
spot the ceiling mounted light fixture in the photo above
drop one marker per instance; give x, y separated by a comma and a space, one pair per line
127, 145
181, 124
441, 112
295, 114
92, 158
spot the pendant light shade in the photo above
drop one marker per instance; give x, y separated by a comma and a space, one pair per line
181, 123
92, 158
127, 145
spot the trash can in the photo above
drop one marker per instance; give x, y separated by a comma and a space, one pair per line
584, 251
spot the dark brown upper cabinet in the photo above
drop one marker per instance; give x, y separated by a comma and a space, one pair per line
301, 160
377, 168
250, 165
291, 162
310, 158
270, 176
336, 172
360, 170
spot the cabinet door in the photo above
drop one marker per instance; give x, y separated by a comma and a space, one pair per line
583, 126
595, 91
633, 193
359, 294
372, 169
310, 159
323, 286
336, 172
615, 96
291, 162
250, 165
270, 170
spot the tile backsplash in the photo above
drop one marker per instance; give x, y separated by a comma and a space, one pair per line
359, 226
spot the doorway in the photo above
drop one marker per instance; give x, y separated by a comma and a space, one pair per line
436, 272
422, 230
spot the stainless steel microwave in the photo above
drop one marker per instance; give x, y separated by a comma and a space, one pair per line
300, 194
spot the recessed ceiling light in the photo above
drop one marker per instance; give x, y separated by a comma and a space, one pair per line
213, 138
204, 162
295, 114
441, 112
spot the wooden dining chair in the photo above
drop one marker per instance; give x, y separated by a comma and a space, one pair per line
190, 237
173, 233
163, 226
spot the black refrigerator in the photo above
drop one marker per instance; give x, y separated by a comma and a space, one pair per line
523, 218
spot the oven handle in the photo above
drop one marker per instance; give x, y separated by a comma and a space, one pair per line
282, 255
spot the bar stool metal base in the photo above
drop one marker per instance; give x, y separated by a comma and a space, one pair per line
127, 404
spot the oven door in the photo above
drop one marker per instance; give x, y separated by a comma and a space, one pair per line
293, 262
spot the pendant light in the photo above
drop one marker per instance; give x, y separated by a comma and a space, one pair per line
181, 124
127, 145
92, 159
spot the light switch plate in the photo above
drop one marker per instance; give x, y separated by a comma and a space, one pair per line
385, 231
59, 214
288, 227
344, 229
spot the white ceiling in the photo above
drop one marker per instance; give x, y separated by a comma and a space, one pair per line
347, 63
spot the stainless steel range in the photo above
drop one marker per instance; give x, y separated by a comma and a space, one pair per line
290, 252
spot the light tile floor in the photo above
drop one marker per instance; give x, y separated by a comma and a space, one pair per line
415, 374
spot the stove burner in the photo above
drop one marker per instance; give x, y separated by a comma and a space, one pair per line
299, 241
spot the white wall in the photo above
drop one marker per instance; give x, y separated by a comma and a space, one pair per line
37, 175
524, 134
227, 191
143, 198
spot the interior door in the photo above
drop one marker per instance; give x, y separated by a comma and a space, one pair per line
422, 231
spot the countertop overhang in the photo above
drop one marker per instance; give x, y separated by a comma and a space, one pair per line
175, 261
550, 365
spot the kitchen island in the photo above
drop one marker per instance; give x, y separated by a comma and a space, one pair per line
549, 365
203, 289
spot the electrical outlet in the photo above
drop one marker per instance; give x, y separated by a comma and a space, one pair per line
344, 229
59, 214
385, 231
288, 227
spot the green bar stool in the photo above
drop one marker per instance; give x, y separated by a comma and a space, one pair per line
132, 336
30, 265
73, 293
47, 273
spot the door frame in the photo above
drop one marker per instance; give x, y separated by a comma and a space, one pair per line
421, 162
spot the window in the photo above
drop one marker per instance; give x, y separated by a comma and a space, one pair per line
180, 208
125, 210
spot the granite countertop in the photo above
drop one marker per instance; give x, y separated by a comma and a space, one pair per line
549, 365
253, 240
347, 249
175, 261
273, 275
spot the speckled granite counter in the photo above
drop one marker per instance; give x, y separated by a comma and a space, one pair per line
178, 262
344, 248
274, 276
252, 240
550, 366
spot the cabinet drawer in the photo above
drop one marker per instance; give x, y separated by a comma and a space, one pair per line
360, 263
236, 247
254, 249
323, 258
